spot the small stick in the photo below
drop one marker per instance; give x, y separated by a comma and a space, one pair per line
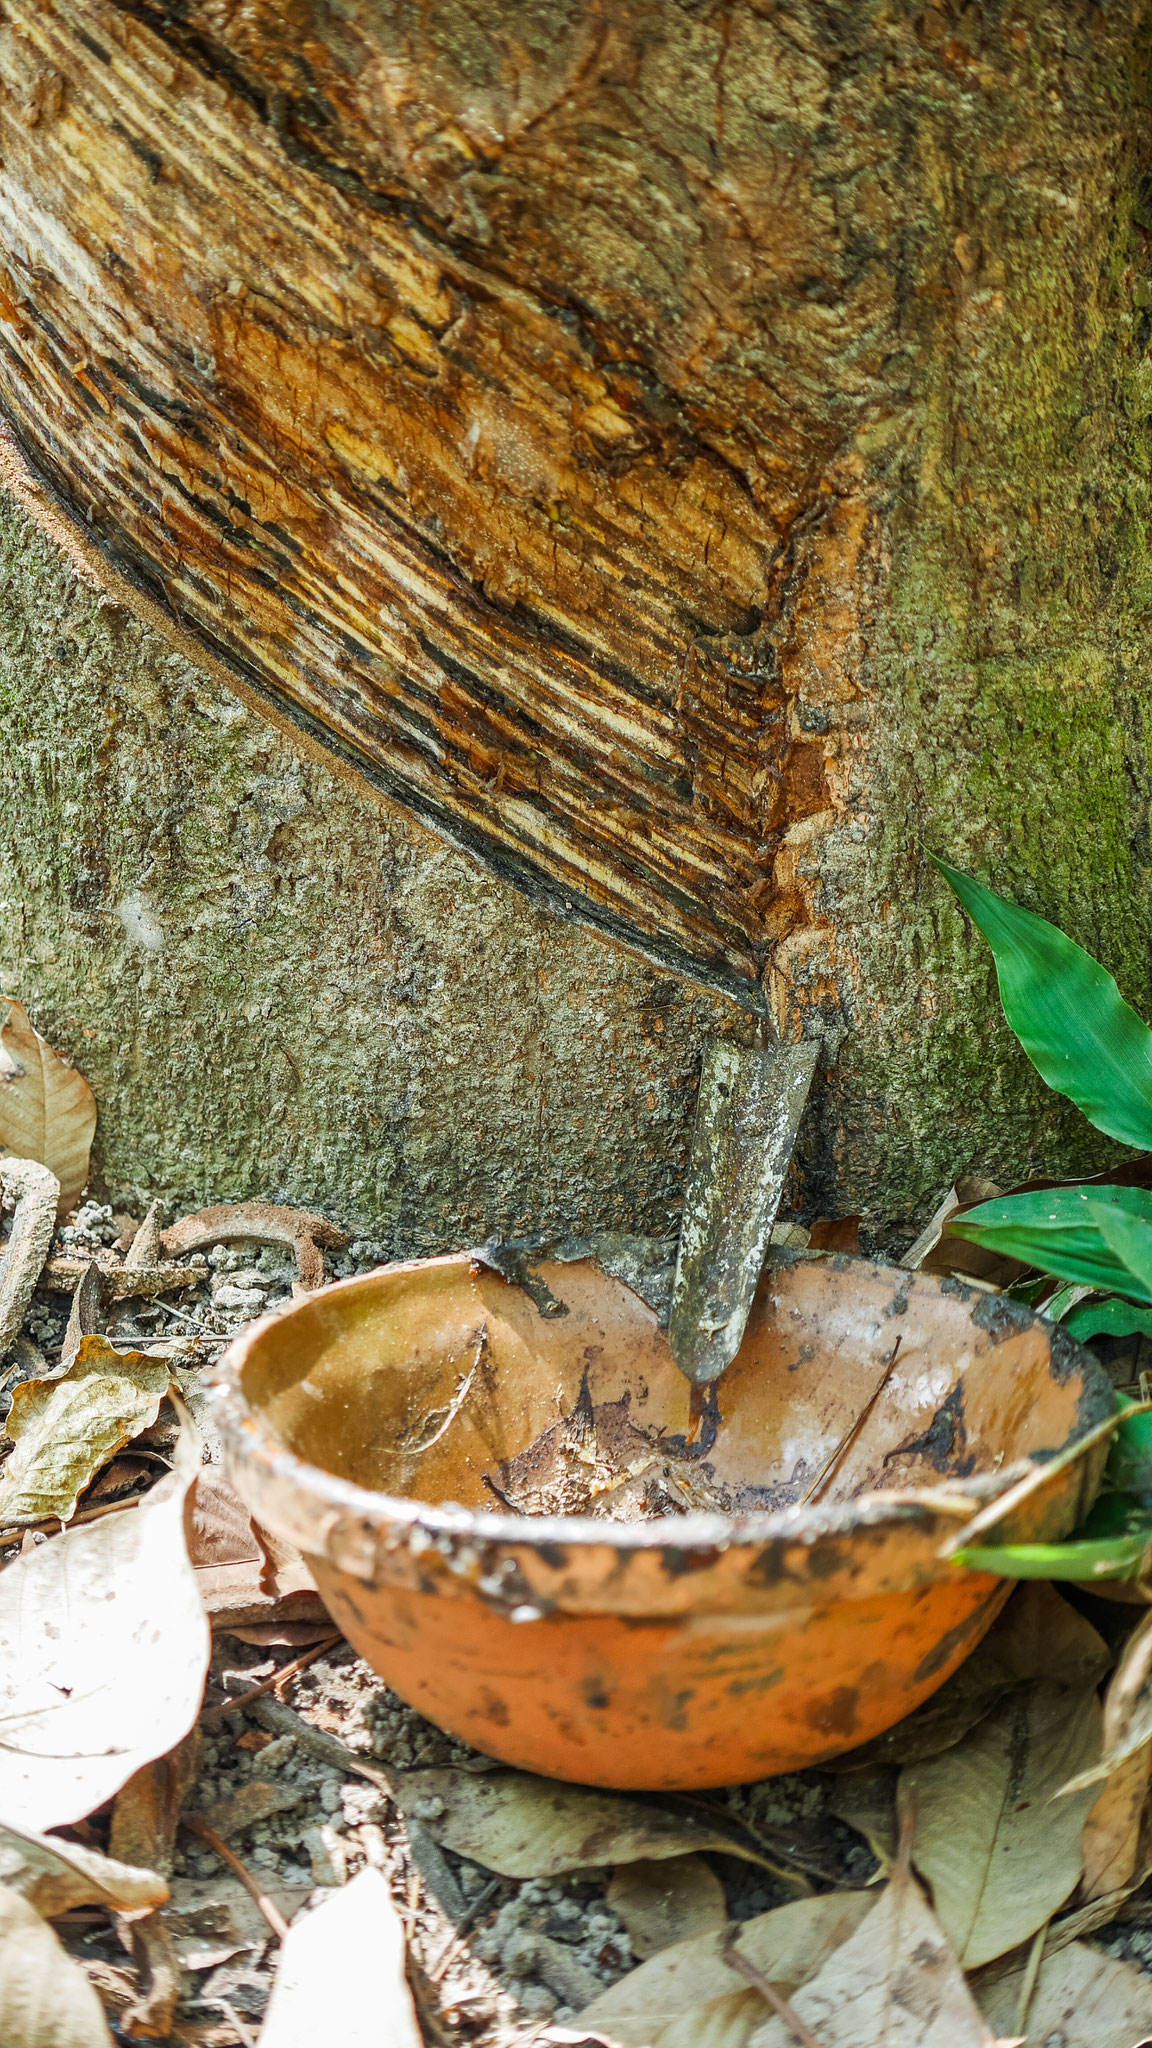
745, 1968
212, 1715
467, 1921
244, 2034
219, 1847
52, 1525
170, 1310
1031, 1973
825, 1477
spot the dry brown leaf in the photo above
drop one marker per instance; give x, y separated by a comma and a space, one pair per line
148, 1807
104, 1647
144, 1822
65, 1429
54, 1875
46, 2000
1000, 1849
219, 1526
689, 1997
1127, 1705
258, 1799
217, 1912
1110, 1842
246, 1576
343, 1963
664, 1903
895, 1983
1082, 2000
524, 1826
836, 1234
47, 1109
1040, 1635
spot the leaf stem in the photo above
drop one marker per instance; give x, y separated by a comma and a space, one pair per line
219, 1847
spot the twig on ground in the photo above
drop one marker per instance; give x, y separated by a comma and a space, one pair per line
283, 1720
37, 1192
244, 2034
219, 1847
212, 1715
207, 1336
745, 1968
463, 1926
1031, 1973
51, 1525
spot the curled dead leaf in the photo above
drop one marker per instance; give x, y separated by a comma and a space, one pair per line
65, 1429
667, 1902
46, 2000
35, 1190
1112, 1845
351, 1948
524, 1826
47, 1109
688, 1996
104, 1646
1082, 1999
55, 1875
1000, 1849
246, 1575
1127, 1707
895, 1983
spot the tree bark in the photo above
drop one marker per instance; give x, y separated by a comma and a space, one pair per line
689, 452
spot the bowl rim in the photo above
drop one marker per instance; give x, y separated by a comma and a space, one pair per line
248, 1440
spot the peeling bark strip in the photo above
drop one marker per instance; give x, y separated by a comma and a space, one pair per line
384, 345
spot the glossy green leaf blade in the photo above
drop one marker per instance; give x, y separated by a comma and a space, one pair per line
1129, 1467
1059, 1230
1068, 1208
1068, 1014
1108, 1557
1129, 1239
1070, 1254
1110, 1318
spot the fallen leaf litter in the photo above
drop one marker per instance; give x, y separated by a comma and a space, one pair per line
306, 1801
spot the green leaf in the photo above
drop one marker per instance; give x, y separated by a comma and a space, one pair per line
1111, 1317
1117, 1513
1063, 1301
1111, 1543
1060, 1230
1129, 1239
1105, 1557
1129, 1467
1027, 1291
1068, 1014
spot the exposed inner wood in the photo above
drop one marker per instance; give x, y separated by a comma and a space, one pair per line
482, 385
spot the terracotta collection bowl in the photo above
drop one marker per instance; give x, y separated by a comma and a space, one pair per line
868, 1412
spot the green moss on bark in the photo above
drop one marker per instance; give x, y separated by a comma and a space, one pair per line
279, 986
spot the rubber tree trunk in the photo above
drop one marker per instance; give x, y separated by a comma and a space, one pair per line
692, 454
